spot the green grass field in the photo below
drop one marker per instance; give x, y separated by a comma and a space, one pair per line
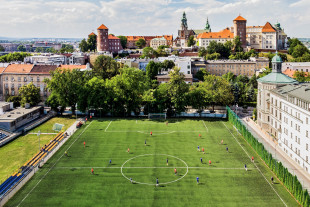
14, 154
67, 181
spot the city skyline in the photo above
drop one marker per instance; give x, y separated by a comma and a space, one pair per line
76, 19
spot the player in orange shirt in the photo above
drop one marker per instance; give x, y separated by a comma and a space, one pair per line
151, 133
84, 144
209, 162
128, 150
175, 171
92, 171
203, 150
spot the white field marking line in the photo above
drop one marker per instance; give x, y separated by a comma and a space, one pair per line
152, 131
255, 165
209, 168
156, 133
136, 121
152, 155
237, 130
108, 126
53, 165
205, 126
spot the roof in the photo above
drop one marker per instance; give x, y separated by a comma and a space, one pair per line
199, 31
254, 26
134, 38
102, 27
43, 69
112, 37
159, 39
289, 72
18, 68
71, 67
91, 34
240, 18
276, 59
2, 69
225, 33
16, 113
168, 37
277, 78
268, 28
301, 91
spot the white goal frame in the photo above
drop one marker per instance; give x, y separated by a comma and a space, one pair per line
157, 116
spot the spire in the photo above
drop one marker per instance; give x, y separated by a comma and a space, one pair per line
184, 21
208, 27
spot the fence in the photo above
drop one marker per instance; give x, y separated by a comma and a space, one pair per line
291, 182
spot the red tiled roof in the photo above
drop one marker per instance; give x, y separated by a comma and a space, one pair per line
113, 37
18, 68
102, 27
240, 18
91, 34
226, 33
268, 28
168, 37
1, 69
71, 67
134, 38
290, 73
43, 69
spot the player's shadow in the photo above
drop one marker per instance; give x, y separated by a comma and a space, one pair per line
147, 145
201, 184
111, 164
73, 169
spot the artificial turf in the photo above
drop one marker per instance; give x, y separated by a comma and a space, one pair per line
68, 181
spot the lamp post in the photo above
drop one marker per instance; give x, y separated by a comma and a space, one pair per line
76, 111
39, 133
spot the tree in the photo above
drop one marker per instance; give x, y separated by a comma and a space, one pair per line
162, 47
202, 52
197, 97
66, 48
83, 46
53, 102
237, 45
148, 52
21, 48
300, 76
152, 70
177, 90
167, 64
2, 49
215, 47
191, 41
123, 41
201, 74
92, 42
140, 43
213, 56
299, 51
67, 86
29, 94
176, 53
105, 67
15, 99
230, 77
39, 49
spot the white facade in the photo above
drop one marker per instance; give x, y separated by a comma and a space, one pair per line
156, 42
183, 63
290, 117
269, 40
296, 66
204, 42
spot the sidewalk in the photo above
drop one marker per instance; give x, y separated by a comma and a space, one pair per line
277, 153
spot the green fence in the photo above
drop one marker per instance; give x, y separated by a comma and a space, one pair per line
289, 180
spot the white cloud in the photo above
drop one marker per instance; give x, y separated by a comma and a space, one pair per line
56, 18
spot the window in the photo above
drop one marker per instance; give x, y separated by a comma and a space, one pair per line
38, 79
25, 79
19, 79
12, 79
6, 78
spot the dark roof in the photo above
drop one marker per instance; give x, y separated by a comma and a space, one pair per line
43, 69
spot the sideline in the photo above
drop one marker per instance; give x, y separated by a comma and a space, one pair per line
205, 126
108, 126
255, 165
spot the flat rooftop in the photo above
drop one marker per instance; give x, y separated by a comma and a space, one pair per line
16, 113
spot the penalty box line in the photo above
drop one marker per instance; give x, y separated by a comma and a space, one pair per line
209, 168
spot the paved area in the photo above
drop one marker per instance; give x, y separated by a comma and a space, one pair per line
278, 153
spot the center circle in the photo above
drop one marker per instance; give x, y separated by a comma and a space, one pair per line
162, 160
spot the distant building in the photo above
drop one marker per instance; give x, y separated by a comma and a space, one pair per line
266, 38
46, 45
296, 66
165, 78
107, 42
223, 36
131, 40
156, 42
183, 33
237, 67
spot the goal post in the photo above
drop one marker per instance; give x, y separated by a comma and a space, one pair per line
157, 116
57, 127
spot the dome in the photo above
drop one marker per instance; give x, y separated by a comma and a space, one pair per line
277, 59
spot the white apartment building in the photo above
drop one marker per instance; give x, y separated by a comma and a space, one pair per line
184, 63
156, 42
223, 36
290, 121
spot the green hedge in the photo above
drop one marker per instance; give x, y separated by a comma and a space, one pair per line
289, 180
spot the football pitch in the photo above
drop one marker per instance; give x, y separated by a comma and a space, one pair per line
68, 181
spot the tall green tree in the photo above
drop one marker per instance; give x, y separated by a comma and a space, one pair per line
148, 52
105, 67
152, 70
66, 48
198, 97
2, 49
177, 90
21, 48
167, 64
92, 42
83, 46
191, 41
202, 52
140, 43
237, 45
29, 94
123, 41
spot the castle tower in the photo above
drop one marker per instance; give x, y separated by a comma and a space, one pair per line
208, 27
184, 22
102, 38
240, 29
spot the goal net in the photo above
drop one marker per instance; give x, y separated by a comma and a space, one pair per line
57, 127
157, 116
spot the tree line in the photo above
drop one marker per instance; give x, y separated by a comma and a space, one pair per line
110, 88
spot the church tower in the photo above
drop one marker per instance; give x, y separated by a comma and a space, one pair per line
208, 27
184, 22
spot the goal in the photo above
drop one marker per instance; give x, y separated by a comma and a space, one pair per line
157, 116
57, 127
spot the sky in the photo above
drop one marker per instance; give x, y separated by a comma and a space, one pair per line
78, 18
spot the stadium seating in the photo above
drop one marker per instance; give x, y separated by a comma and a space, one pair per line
2, 136
29, 165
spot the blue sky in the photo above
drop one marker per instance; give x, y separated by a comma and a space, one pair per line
78, 18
